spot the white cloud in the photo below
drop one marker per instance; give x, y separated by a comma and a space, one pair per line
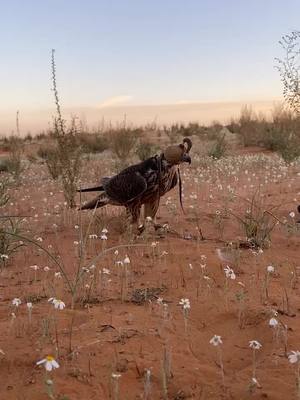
115, 101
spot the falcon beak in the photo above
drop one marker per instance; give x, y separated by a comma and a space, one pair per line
186, 158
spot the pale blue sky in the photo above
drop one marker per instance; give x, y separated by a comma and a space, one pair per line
141, 51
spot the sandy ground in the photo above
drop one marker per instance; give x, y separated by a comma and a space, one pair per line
127, 336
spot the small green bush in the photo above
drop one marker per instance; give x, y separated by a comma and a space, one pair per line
219, 148
122, 143
145, 150
4, 165
93, 143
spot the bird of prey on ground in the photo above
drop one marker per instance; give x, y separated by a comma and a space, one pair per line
142, 184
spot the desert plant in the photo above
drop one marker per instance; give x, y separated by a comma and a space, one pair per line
8, 227
218, 149
93, 143
4, 197
14, 161
68, 150
289, 69
145, 150
122, 143
9, 244
4, 165
257, 222
249, 127
50, 155
282, 134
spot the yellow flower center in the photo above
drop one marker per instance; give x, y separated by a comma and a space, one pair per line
49, 358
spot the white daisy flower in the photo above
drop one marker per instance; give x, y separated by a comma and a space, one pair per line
105, 271
254, 344
216, 340
49, 363
185, 303
229, 272
119, 263
58, 304
294, 357
273, 322
16, 302
126, 260
270, 269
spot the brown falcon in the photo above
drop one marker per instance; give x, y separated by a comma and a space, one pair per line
142, 184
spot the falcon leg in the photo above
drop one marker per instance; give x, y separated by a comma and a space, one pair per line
150, 210
135, 213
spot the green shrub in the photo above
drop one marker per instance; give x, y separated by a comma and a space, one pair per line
4, 165
93, 143
145, 150
122, 143
219, 148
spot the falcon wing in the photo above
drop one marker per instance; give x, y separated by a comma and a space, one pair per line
125, 187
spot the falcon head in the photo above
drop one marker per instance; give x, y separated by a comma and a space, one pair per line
178, 154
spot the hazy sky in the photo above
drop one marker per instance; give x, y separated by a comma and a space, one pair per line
141, 51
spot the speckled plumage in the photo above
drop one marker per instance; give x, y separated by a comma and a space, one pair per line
140, 184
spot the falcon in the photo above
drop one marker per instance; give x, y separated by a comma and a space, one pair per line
142, 184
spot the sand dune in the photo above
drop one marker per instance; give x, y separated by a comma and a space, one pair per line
35, 121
